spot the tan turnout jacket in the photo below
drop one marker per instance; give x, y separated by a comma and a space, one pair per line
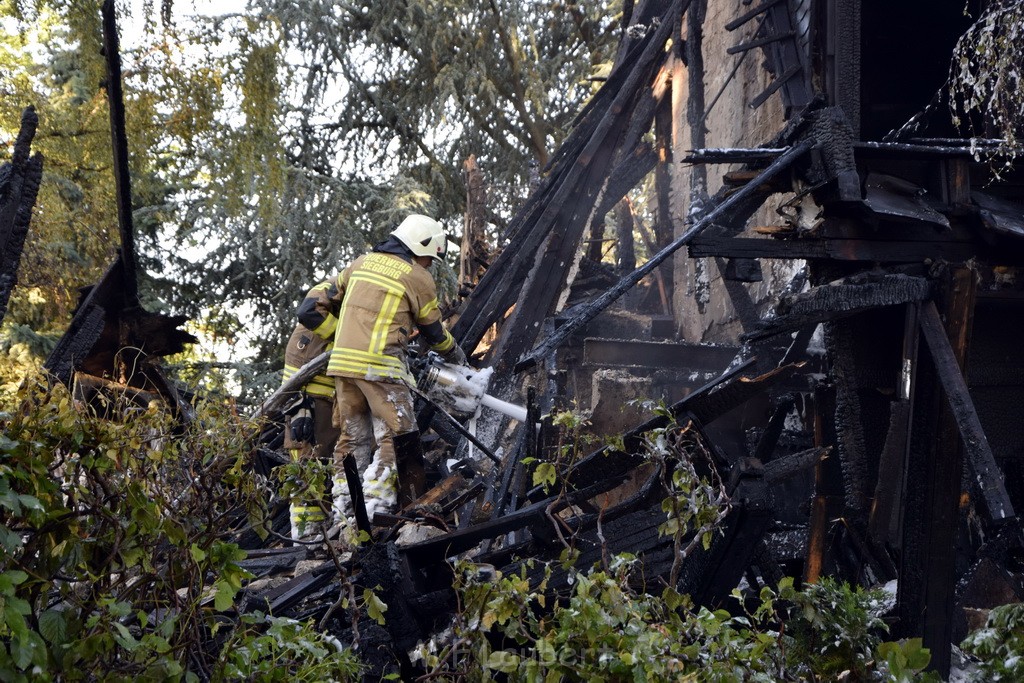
382, 299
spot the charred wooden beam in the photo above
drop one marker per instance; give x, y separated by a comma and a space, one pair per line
542, 288
787, 466
841, 299
666, 355
19, 186
934, 484
750, 14
770, 436
608, 462
760, 42
436, 549
987, 477
903, 150
709, 576
119, 140
775, 85
849, 427
734, 155
827, 503
755, 248
708, 407
577, 172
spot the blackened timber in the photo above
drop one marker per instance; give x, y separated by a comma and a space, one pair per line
737, 155
83, 333
903, 150
591, 310
19, 186
775, 85
629, 172
742, 303
842, 299
785, 53
883, 518
759, 42
931, 506
827, 502
987, 477
119, 140
571, 178
543, 286
789, 465
709, 576
850, 445
666, 355
747, 16
710, 406
999, 215
756, 247
436, 549
770, 436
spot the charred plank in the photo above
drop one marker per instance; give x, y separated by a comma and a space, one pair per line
842, 299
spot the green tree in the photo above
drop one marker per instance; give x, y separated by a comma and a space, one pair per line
269, 148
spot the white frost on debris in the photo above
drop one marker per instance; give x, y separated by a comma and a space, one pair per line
379, 490
702, 376
439, 641
794, 421
816, 346
888, 602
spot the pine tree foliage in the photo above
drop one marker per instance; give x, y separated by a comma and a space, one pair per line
414, 87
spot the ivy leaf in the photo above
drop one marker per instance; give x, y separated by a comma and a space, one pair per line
544, 474
503, 661
225, 595
375, 607
198, 554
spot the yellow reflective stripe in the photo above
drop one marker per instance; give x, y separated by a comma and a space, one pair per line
325, 330
361, 366
445, 344
379, 336
379, 280
326, 284
321, 385
356, 354
320, 390
430, 306
363, 369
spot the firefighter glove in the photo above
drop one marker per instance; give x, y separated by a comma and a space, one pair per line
456, 356
301, 424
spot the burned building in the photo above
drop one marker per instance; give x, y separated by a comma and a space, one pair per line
830, 307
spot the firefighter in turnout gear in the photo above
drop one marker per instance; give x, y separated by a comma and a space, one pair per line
310, 432
384, 296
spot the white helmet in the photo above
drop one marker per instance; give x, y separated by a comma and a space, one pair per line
423, 235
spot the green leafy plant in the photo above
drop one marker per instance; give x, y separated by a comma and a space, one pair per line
116, 551
999, 644
603, 630
266, 648
572, 439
